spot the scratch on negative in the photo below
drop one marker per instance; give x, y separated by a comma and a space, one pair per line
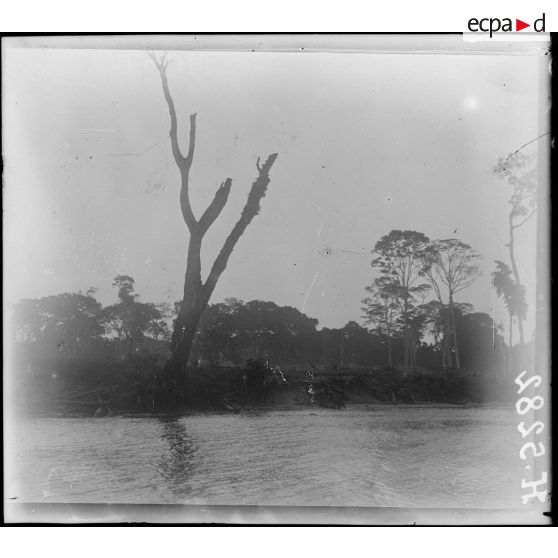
492, 297
310, 289
97, 130
320, 228
131, 154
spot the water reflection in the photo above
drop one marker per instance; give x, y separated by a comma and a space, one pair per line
177, 463
392, 456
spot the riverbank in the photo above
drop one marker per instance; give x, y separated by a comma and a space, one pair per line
255, 388
310, 409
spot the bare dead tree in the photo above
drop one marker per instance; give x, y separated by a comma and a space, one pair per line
197, 292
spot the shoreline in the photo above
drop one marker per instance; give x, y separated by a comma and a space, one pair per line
261, 392
183, 412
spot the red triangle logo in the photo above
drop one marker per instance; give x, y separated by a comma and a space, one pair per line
519, 25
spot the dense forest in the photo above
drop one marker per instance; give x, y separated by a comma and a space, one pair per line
415, 342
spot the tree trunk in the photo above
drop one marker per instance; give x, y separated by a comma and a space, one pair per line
455, 344
408, 366
447, 338
197, 294
390, 359
191, 310
515, 276
182, 340
510, 339
447, 360
406, 351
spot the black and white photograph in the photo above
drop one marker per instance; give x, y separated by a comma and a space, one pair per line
276, 279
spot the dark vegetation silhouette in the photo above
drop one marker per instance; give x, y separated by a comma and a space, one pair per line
450, 264
197, 292
513, 295
412, 268
74, 356
400, 261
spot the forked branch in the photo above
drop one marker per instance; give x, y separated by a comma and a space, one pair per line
184, 162
216, 206
200, 227
251, 209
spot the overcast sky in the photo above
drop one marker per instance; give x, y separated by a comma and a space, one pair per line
367, 143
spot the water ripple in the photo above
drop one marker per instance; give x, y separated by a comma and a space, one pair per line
391, 456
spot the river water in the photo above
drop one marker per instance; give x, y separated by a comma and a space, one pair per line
361, 456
